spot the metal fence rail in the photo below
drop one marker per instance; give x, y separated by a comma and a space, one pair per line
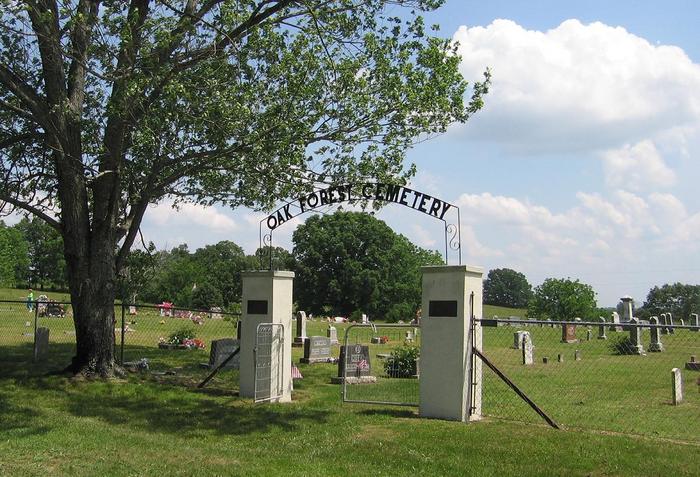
595, 375
379, 364
140, 331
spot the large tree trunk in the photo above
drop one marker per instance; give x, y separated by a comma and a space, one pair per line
93, 295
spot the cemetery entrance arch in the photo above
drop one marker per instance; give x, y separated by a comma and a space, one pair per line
362, 193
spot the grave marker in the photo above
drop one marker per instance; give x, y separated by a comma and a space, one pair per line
317, 349
636, 337
518, 338
677, 386
656, 345
301, 328
528, 355
615, 319
222, 349
692, 365
332, 333
663, 320
41, 344
354, 361
694, 322
568, 333
670, 328
601, 329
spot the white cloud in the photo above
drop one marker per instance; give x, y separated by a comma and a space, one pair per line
637, 167
188, 215
576, 87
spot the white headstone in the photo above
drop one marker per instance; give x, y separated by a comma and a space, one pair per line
695, 322
528, 355
601, 329
655, 345
615, 319
332, 333
677, 383
663, 321
301, 327
670, 328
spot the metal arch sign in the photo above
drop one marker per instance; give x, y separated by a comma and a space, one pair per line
368, 191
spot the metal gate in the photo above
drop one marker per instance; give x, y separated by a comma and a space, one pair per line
380, 364
268, 354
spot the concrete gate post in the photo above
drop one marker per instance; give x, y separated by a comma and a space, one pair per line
266, 298
444, 356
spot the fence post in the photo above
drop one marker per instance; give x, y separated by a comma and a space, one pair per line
121, 351
36, 321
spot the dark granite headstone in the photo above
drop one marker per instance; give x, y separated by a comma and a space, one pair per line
222, 349
356, 358
41, 344
317, 349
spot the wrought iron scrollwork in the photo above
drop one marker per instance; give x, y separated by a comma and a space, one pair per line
452, 232
266, 252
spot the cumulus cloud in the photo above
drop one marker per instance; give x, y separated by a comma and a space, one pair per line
187, 215
637, 167
577, 86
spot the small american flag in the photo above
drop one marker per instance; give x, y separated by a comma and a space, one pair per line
296, 374
362, 364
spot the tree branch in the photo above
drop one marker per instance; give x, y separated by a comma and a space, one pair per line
33, 210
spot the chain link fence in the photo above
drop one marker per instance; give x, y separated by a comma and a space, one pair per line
165, 336
380, 364
595, 375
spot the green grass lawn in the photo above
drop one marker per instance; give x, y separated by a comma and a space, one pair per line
615, 408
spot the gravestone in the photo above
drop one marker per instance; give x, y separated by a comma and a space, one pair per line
518, 338
615, 319
332, 333
692, 365
527, 348
636, 337
601, 329
589, 333
677, 386
408, 336
356, 358
317, 349
132, 310
694, 322
656, 345
222, 349
41, 344
545, 360
215, 313
568, 333
627, 313
663, 321
670, 328
577, 355
560, 358
301, 329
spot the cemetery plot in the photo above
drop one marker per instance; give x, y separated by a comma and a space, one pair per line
380, 364
606, 380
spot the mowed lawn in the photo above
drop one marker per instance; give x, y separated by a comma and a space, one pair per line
161, 424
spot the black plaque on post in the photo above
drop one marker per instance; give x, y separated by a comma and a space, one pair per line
257, 307
442, 308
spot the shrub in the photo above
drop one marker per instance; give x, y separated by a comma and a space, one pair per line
184, 333
402, 361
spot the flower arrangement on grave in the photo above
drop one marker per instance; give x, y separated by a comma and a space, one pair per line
383, 339
184, 338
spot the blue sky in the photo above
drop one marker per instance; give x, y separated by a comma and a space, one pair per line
582, 164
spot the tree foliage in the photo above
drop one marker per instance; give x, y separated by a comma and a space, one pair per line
679, 299
506, 287
108, 107
14, 256
352, 261
562, 299
47, 266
